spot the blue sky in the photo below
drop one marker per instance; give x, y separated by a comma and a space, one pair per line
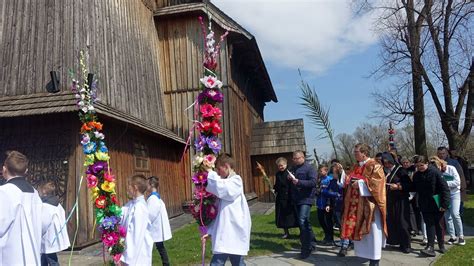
335, 49
344, 88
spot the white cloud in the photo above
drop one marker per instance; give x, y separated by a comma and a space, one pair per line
311, 35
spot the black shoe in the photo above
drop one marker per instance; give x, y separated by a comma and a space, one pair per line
327, 243
442, 249
406, 250
429, 252
342, 252
304, 255
374, 263
451, 241
351, 246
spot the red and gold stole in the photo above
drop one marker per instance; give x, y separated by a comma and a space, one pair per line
351, 203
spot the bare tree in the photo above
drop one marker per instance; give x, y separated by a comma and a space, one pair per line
428, 44
376, 136
345, 144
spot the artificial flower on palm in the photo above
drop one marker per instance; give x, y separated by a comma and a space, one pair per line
100, 179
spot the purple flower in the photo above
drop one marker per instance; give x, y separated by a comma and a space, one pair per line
109, 222
200, 178
214, 144
200, 142
213, 95
97, 167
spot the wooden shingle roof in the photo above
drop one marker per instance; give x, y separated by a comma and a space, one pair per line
278, 137
245, 42
45, 103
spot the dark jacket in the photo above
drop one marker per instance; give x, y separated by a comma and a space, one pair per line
304, 191
427, 184
282, 186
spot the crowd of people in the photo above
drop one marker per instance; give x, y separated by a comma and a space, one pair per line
33, 225
379, 202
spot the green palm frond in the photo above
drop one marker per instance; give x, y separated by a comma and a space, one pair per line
318, 115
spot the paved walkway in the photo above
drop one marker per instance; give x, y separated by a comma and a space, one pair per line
322, 256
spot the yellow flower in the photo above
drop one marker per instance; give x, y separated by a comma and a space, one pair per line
89, 160
94, 193
102, 156
108, 186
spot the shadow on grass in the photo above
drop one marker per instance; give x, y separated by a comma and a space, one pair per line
261, 244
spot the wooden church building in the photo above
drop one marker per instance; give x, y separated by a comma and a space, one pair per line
147, 57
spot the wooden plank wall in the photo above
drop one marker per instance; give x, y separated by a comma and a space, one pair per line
164, 159
181, 68
239, 128
53, 140
268, 161
181, 49
119, 36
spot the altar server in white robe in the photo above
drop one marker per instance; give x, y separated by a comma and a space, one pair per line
160, 224
20, 219
55, 237
135, 218
230, 231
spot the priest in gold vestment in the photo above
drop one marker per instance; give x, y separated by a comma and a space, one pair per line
364, 216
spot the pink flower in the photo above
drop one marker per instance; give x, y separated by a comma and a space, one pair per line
122, 231
204, 126
216, 128
91, 181
110, 238
211, 211
209, 160
217, 113
207, 110
109, 177
117, 257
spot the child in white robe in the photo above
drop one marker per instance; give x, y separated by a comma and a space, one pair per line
20, 219
230, 231
135, 218
55, 237
160, 224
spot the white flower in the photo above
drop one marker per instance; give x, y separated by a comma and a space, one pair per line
91, 108
198, 158
84, 109
98, 135
211, 82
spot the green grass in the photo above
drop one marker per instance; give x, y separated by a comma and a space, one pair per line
185, 246
462, 255
458, 255
469, 209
